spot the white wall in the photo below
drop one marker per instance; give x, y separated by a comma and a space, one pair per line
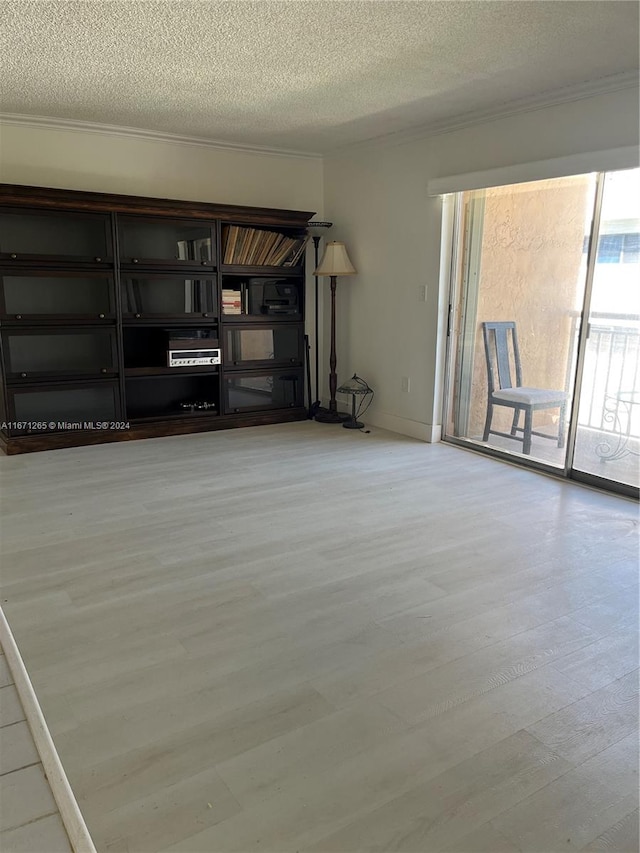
376, 196
105, 162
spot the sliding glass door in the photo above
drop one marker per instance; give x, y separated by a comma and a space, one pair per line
607, 444
526, 379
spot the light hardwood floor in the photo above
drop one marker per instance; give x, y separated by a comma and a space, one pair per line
300, 638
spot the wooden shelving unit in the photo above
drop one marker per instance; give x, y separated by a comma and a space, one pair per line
92, 288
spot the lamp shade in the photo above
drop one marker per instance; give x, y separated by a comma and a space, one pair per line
318, 229
335, 261
355, 385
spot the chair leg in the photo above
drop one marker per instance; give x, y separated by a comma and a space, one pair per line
528, 419
561, 421
516, 418
487, 423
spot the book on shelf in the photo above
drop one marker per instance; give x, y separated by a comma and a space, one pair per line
261, 247
230, 234
268, 243
297, 254
188, 296
284, 250
202, 249
231, 301
254, 243
274, 246
241, 245
194, 250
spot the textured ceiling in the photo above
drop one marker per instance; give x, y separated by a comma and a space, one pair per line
309, 76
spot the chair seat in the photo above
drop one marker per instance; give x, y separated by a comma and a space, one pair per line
530, 396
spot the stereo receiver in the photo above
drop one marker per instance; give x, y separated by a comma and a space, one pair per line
193, 358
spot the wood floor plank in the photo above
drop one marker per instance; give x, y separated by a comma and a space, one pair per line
616, 612
486, 839
592, 723
324, 802
225, 731
603, 661
579, 807
117, 780
446, 809
155, 821
440, 689
622, 837
282, 764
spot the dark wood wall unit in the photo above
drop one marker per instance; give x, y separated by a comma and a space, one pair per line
58, 199
125, 318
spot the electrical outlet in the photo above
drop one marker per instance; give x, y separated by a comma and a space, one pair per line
405, 383
422, 292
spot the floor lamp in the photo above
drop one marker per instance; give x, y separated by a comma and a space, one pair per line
335, 262
317, 230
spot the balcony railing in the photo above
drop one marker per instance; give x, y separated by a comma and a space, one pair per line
611, 373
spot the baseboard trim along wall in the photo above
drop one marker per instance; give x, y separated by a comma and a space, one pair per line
70, 813
430, 433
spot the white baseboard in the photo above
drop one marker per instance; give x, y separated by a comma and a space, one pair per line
70, 813
430, 433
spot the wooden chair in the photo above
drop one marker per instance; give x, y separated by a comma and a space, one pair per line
501, 351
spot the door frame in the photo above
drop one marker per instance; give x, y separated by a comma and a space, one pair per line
458, 319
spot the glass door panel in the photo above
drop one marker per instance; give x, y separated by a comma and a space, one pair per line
65, 407
55, 236
31, 354
608, 431
179, 242
149, 296
521, 278
54, 296
245, 347
252, 392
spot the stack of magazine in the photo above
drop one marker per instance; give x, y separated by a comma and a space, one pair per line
231, 301
258, 247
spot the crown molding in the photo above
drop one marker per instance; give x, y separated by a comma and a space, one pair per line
567, 94
51, 123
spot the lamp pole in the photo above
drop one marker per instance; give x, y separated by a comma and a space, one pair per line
332, 415
316, 229
334, 263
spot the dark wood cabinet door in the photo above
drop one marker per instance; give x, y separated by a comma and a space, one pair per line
251, 392
55, 236
56, 296
54, 353
62, 407
166, 242
146, 296
253, 346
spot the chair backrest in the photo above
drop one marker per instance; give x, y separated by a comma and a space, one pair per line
501, 351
